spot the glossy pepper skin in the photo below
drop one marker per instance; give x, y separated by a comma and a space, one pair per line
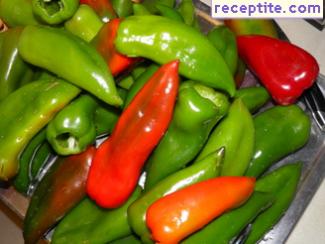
103, 8
24, 113
270, 144
54, 12
284, 69
207, 168
59, 191
169, 40
283, 183
179, 214
253, 97
236, 133
118, 161
82, 65
198, 109
88, 223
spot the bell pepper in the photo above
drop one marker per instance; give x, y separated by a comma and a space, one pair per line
198, 109
24, 113
283, 183
62, 188
169, 40
45, 47
88, 223
54, 12
123, 8
103, 8
104, 43
284, 69
179, 214
236, 133
253, 97
270, 143
207, 168
169, 12
225, 41
118, 161
13, 70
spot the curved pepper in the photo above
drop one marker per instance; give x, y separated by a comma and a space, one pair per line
207, 168
236, 133
54, 11
253, 97
270, 143
117, 165
24, 113
169, 40
69, 57
63, 186
198, 109
169, 12
88, 223
103, 8
123, 8
284, 69
187, 10
179, 214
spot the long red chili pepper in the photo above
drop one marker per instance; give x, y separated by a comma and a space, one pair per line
103, 8
175, 216
117, 165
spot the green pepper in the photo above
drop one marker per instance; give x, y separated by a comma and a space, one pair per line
151, 4
279, 131
88, 223
123, 8
223, 229
169, 12
13, 70
236, 133
126, 82
40, 159
54, 11
186, 9
225, 41
282, 182
208, 167
253, 97
170, 40
69, 57
24, 113
105, 119
139, 9
132, 239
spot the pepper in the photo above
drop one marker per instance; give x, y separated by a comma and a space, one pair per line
40, 160
223, 229
104, 43
179, 214
123, 8
88, 223
24, 113
118, 161
63, 186
270, 144
105, 119
103, 8
236, 133
169, 12
240, 72
13, 70
54, 12
207, 168
199, 60
253, 97
197, 111
151, 4
140, 9
187, 10
45, 47
225, 41
283, 183
131, 239
284, 69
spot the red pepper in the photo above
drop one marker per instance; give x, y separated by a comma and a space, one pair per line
104, 43
179, 214
284, 69
117, 165
103, 8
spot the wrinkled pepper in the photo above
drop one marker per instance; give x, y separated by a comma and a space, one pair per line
198, 109
254, 98
103, 8
88, 223
179, 214
171, 40
82, 65
283, 183
237, 134
284, 69
24, 113
118, 162
63, 186
270, 143
207, 168
123, 8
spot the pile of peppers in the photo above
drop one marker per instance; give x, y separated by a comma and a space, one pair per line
123, 122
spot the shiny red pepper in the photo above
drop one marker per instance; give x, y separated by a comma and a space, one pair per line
103, 8
104, 43
284, 69
117, 164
